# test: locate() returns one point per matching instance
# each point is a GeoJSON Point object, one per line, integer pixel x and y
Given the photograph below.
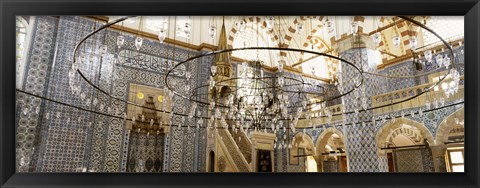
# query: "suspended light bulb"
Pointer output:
{"type": "Point", "coordinates": [187, 28]}
{"type": "Point", "coordinates": [428, 55]}
{"type": "Point", "coordinates": [103, 49]}
{"type": "Point", "coordinates": [330, 27]}
{"type": "Point", "coordinates": [212, 32]}
{"type": "Point", "coordinates": [120, 41]}
{"type": "Point", "coordinates": [281, 81]}
{"type": "Point", "coordinates": [444, 86]}
{"type": "Point", "coordinates": [299, 28]}
{"type": "Point", "coordinates": [270, 21]}
{"type": "Point", "coordinates": [377, 38]}
{"type": "Point", "coordinates": [396, 41]}
{"type": "Point", "coordinates": [446, 61]}
{"type": "Point", "coordinates": [413, 43]}
{"type": "Point", "coordinates": [280, 66]}
{"type": "Point", "coordinates": [439, 60]}
{"type": "Point", "coordinates": [453, 86]}
{"type": "Point", "coordinates": [212, 84]}
{"type": "Point", "coordinates": [138, 42]}
{"type": "Point", "coordinates": [354, 28]}
{"type": "Point", "coordinates": [241, 25]}
{"type": "Point", "coordinates": [213, 70]}
{"type": "Point", "coordinates": [162, 35]}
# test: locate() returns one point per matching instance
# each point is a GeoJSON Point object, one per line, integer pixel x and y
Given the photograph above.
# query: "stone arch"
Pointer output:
{"type": "Point", "coordinates": [386, 130]}
{"type": "Point", "coordinates": [302, 140]}
{"type": "Point", "coordinates": [408, 31]}
{"type": "Point", "coordinates": [255, 19]}
{"type": "Point", "coordinates": [223, 93]}
{"type": "Point", "coordinates": [301, 137]}
{"type": "Point", "coordinates": [414, 137]}
{"type": "Point", "coordinates": [398, 29]}
{"type": "Point", "coordinates": [323, 139]}
{"type": "Point", "coordinates": [322, 142]}
{"type": "Point", "coordinates": [441, 135]}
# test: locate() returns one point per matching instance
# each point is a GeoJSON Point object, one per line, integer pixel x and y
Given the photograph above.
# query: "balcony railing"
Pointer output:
{"type": "Point", "coordinates": [402, 94]}
{"type": "Point", "coordinates": [315, 114]}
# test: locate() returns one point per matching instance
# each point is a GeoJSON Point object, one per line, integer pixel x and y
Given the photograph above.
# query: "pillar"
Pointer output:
{"type": "Point", "coordinates": [361, 145]}
{"type": "Point", "coordinates": [438, 154]}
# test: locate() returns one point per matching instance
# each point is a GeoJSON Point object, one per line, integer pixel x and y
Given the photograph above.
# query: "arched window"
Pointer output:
{"type": "Point", "coordinates": [21, 45]}
{"type": "Point", "coordinates": [255, 36]}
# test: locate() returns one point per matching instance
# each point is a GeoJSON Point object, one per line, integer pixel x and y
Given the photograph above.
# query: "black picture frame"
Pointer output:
{"type": "Point", "coordinates": [9, 9]}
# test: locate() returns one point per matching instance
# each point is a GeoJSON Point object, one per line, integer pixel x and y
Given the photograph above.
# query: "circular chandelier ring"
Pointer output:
{"type": "Point", "coordinates": [265, 48]}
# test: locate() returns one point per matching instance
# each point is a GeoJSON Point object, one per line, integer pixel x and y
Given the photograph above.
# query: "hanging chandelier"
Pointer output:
{"type": "Point", "coordinates": [253, 98]}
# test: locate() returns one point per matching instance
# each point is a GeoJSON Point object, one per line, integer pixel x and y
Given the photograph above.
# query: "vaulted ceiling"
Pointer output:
{"type": "Point", "coordinates": [316, 33]}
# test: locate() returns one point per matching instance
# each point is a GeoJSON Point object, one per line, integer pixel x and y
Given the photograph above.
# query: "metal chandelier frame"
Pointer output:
{"type": "Point", "coordinates": [81, 74]}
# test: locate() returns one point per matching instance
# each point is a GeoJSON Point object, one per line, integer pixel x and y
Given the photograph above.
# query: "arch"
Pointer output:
{"type": "Point", "coordinates": [301, 141]}
{"type": "Point", "coordinates": [406, 135]}
{"type": "Point", "coordinates": [211, 156]}
{"type": "Point", "coordinates": [410, 31]}
{"type": "Point", "coordinates": [323, 139]}
{"type": "Point", "coordinates": [234, 31]}
{"type": "Point", "coordinates": [387, 129]}
{"type": "Point", "coordinates": [304, 138]}
{"type": "Point", "coordinates": [255, 34]}
{"type": "Point", "coordinates": [224, 92]}
{"type": "Point", "coordinates": [441, 135]}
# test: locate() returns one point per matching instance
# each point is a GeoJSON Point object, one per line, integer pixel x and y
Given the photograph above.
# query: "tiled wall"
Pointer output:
{"type": "Point", "coordinates": [413, 160]}
{"type": "Point", "coordinates": [68, 143]}
{"type": "Point", "coordinates": [408, 68]}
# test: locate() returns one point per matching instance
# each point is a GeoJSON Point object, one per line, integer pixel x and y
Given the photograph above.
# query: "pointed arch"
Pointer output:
{"type": "Point", "coordinates": [301, 141]}
{"type": "Point", "coordinates": [323, 139]}
{"type": "Point", "coordinates": [256, 20]}
{"type": "Point", "coordinates": [441, 135]}
{"type": "Point", "coordinates": [388, 128]}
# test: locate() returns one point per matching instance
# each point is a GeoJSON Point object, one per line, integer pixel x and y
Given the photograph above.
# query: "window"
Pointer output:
{"type": "Point", "coordinates": [448, 27]}
{"type": "Point", "coordinates": [456, 159]}
{"type": "Point", "coordinates": [250, 37]}
{"type": "Point", "coordinates": [156, 23]}
{"type": "Point", "coordinates": [21, 37]}
{"type": "Point", "coordinates": [184, 27]}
